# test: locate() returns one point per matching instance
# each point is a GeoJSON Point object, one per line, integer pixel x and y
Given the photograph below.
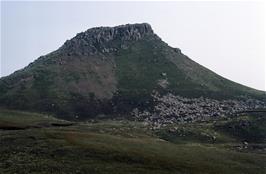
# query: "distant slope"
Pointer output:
{"type": "Point", "coordinates": [107, 70]}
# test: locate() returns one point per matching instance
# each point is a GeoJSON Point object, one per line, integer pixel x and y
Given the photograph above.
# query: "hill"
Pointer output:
{"type": "Point", "coordinates": [111, 71]}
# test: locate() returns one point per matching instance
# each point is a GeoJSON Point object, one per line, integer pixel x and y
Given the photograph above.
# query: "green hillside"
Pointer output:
{"type": "Point", "coordinates": [107, 71]}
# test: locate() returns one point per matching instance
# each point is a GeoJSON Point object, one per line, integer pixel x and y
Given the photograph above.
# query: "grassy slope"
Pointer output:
{"type": "Point", "coordinates": [61, 85]}
{"type": "Point", "coordinates": [141, 66]}
{"type": "Point", "coordinates": [116, 147]}
{"type": "Point", "coordinates": [247, 127]}
{"type": "Point", "coordinates": [11, 119]}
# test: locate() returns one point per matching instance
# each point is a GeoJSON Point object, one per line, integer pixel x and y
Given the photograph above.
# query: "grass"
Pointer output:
{"type": "Point", "coordinates": [11, 119]}
{"type": "Point", "coordinates": [247, 127]}
{"type": "Point", "coordinates": [115, 147]}
{"type": "Point", "coordinates": [141, 66]}
{"type": "Point", "coordinates": [194, 132]}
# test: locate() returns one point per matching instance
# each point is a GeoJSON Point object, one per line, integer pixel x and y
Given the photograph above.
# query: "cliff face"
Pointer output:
{"type": "Point", "coordinates": [111, 71]}
{"type": "Point", "coordinates": [105, 39]}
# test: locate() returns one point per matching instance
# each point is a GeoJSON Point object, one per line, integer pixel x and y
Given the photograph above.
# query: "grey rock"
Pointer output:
{"type": "Point", "coordinates": [104, 39]}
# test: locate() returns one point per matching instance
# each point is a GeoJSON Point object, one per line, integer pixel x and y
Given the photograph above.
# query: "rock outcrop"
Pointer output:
{"type": "Point", "coordinates": [105, 39]}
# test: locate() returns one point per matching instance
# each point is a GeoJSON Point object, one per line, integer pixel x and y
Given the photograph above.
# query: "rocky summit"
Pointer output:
{"type": "Point", "coordinates": [124, 71]}
{"type": "Point", "coordinates": [105, 39]}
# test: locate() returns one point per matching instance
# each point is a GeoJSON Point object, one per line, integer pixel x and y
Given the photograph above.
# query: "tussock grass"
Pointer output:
{"type": "Point", "coordinates": [106, 147]}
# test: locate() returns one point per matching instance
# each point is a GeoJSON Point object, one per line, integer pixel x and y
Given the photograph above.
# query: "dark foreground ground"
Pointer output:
{"type": "Point", "coordinates": [35, 143]}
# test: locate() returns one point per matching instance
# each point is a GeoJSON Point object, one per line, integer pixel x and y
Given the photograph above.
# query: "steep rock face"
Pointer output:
{"type": "Point", "coordinates": [111, 71]}
{"type": "Point", "coordinates": [105, 39]}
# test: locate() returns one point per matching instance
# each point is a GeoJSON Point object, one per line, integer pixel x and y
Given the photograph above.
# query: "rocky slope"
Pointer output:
{"type": "Point", "coordinates": [110, 71]}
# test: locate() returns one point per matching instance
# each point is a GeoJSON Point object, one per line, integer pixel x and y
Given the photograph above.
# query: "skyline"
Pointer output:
{"type": "Point", "coordinates": [225, 37]}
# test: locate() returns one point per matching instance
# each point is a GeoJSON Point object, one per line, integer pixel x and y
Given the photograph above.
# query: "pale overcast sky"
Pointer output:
{"type": "Point", "coordinates": [226, 37]}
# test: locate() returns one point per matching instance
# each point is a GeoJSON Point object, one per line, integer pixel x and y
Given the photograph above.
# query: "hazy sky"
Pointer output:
{"type": "Point", "coordinates": [226, 37]}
